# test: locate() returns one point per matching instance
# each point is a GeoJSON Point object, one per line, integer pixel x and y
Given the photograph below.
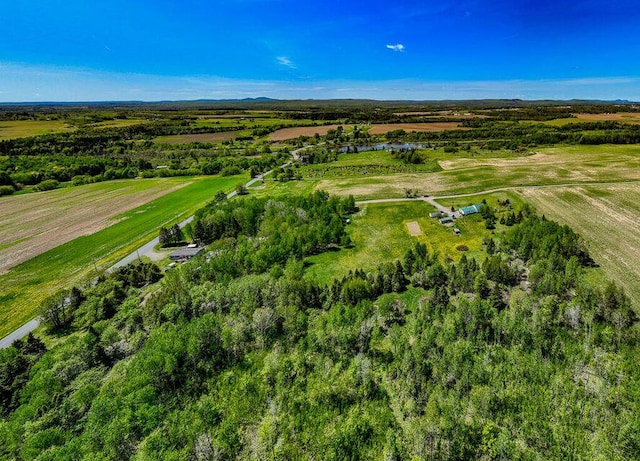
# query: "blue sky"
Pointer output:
{"type": "Point", "coordinates": [72, 50]}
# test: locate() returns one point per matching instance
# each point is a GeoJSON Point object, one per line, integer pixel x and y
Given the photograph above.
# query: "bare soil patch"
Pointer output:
{"type": "Point", "coordinates": [35, 223]}
{"type": "Point", "coordinates": [291, 133]}
{"type": "Point", "coordinates": [414, 228]}
{"type": "Point", "coordinates": [435, 126]}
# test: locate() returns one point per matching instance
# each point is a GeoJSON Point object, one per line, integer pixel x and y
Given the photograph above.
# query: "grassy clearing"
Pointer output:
{"type": "Point", "coordinates": [201, 137]}
{"type": "Point", "coordinates": [366, 163]}
{"type": "Point", "coordinates": [119, 123]}
{"type": "Point", "coordinates": [272, 188]}
{"type": "Point", "coordinates": [383, 128]}
{"type": "Point", "coordinates": [549, 166]}
{"type": "Point", "coordinates": [379, 233]}
{"type": "Point", "coordinates": [608, 218]}
{"type": "Point", "coordinates": [25, 128]}
{"type": "Point", "coordinates": [24, 286]}
{"type": "Point", "coordinates": [624, 117]}
{"type": "Point", "coordinates": [295, 132]}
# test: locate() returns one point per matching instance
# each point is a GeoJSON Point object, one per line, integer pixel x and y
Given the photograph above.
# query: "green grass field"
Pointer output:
{"type": "Point", "coordinates": [549, 166]}
{"type": "Point", "coordinates": [26, 285]}
{"type": "Point", "coordinates": [379, 233]}
{"type": "Point", "coordinates": [24, 128]}
{"type": "Point", "coordinates": [366, 163]}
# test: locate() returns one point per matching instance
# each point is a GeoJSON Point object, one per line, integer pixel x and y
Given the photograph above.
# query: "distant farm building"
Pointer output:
{"type": "Point", "coordinates": [471, 209]}
{"type": "Point", "coordinates": [184, 254]}
{"type": "Point", "coordinates": [446, 220]}
{"type": "Point", "coordinates": [437, 214]}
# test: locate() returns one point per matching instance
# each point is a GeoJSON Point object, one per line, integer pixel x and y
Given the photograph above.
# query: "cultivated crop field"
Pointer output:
{"type": "Point", "coordinates": [25, 285]}
{"type": "Point", "coordinates": [608, 218]}
{"type": "Point", "coordinates": [35, 223]}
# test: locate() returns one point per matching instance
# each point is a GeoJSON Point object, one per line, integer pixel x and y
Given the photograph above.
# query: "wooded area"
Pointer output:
{"type": "Point", "coordinates": [239, 356]}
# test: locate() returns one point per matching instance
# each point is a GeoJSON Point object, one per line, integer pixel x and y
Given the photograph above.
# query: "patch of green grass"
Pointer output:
{"type": "Point", "coordinates": [26, 285]}
{"type": "Point", "coordinates": [25, 128]}
{"type": "Point", "coordinates": [550, 166]}
{"type": "Point", "coordinates": [365, 163]}
{"type": "Point", "coordinates": [277, 188]}
{"type": "Point", "coordinates": [379, 234]}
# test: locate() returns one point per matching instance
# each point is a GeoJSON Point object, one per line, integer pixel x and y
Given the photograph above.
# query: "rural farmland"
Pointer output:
{"type": "Point", "coordinates": [608, 217]}
{"type": "Point", "coordinates": [49, 219]}
{"type": "Point", "coordinates": [319, 231]}
{"type": "Point", "coordinates": [27, 284]}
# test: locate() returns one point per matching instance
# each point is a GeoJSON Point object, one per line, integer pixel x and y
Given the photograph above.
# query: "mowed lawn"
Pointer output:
{"type": "Point", "coordinates": [548, 166]}
{"type": "Point", "coordinates": [608, 218]}
{"type": "Point", "coordinates": [24, 287]}
{"type": "Point", "coordinates": [379, 233]}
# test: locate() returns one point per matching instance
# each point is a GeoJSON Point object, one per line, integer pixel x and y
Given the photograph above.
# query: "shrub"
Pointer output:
{"type": "Point", "coordinates": [6, 190]}
{"type": "Point", "coordinates": [47, 184]}
{"type": "Point", "coordinates": [230, 171]}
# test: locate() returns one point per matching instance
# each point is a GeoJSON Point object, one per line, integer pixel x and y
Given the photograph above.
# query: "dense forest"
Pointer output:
{"type": "Point", "coordinates": [239, 355]}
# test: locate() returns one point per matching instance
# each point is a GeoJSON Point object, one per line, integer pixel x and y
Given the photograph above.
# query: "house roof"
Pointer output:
{"type": "Point", "coordinates": [185, 253]}
{"type": "Point", "coordinates": [471, 209]}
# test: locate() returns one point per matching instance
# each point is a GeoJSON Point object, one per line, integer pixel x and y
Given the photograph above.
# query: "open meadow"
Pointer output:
{"type": "Point", "coordinates": [27, 284]}
{"type": "Point", "coordinates": [366, 163]}
{"type": "Point", "coordinates": [381, 232]}
{"type": "Point", "coordinates": [623, 117]}
{"type": "Point", "coordinates": [200, 137]}
{"type": "Point", "coordinates": [382, 128]}
{"type": "Point", "coordinates": [13, 129]}
{"type": "Point", "coordinates": [285, 134]}
{"type": "Point", "coordinates": [548, 166]}
{"type": "Point", "coordinates": [608, 218]}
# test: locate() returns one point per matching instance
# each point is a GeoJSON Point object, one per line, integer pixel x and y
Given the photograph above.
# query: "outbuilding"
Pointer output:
{"type": "Point", "coordinates": [184, 254]}
{"type": "Point", "coordinates": [446, 220]}
{"type": "Point", "coordinates": [471, 209]}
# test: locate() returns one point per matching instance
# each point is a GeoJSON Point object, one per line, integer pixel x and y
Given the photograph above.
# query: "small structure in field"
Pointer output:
{"type": "Point", "coordinates": [437, 214]}
{"type": "Point", "coordinates": [184, 254]}
{"type": "Point", "coordinates": [457, 231]}
{"type": "Point", "coordinates": [471, 209]}
{"type": "Point", "coordinates": [446, 220]}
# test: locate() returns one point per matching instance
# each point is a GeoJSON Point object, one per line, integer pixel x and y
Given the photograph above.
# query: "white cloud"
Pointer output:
{"type": "Point", "coordinates": [397, 47]}
{"type": "Point", "coordinates": [284, 61]}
